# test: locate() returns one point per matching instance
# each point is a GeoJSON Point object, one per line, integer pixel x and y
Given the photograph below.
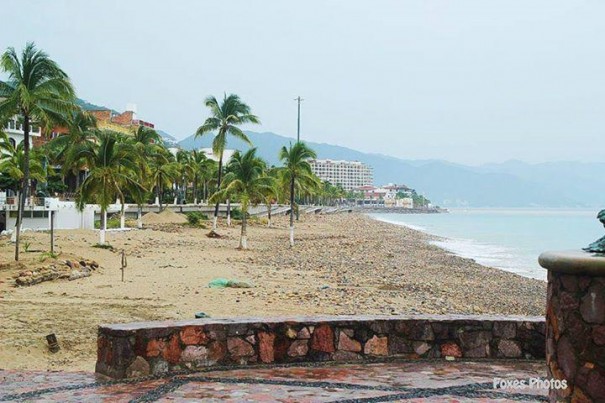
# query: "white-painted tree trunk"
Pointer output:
{"type": "Point", "coordinates": [195, 201]}
{"type": "Point", "coordinates": [103, 228]}
{"type": "Point", "coordinates": [123, 220]}
{"type": "Point", "coordinates": [139, 219]}
{"type": "Point", "coordinates": [157, 201]}
{"type": "Point", "coordinates": [243, 242]}
{"type": "Point", "coordinates": [214, 222]}
{"type": "Point", "coordinates": [228, 213]}
{"type": "Point", "coordinates": [174, 201]}
{"type": "Point", "coordinates": [291, 235]}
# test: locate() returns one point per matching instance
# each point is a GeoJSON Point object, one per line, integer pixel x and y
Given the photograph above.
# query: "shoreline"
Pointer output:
{"type": "Point", "coordinates": [342, 264]}
{"type": "Point", "coordinates": [447, 244]}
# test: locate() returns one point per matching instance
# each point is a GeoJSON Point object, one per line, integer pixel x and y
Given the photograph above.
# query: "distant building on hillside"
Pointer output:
{"type": "Point", "coordinates": [125, 122]}
{"type": "Point", "coordinates": [227, 154]}
{"type": "Point", "coordinates": [348, 174]}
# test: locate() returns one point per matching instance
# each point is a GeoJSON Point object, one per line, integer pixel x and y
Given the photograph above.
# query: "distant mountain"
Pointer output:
{"type": "Point", "coordinates": [169, 140]}
{"type": "Point", "coordinates": [511, 184]}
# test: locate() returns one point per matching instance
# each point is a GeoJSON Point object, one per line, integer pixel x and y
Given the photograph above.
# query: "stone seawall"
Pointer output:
{"type": "Point", "coordinates": [137, 349]}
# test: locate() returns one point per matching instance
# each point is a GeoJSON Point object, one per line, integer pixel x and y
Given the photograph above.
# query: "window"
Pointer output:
{"type": "Point", "coordinates": [12, 142]}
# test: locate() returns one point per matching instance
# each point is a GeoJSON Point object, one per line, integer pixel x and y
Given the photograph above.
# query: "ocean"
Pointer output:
{"type": "Point", "coordinates": [508, 239]}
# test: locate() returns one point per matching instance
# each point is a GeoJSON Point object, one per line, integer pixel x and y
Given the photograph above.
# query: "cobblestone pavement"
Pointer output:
{"type": "Point", "coordinates": [417, 381]}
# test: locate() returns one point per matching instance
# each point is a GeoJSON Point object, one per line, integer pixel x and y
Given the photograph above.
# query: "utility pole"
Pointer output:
{"type": "Point", "coordinates": [299, 99]}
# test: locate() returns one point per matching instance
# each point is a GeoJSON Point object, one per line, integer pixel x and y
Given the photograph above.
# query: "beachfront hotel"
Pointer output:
{"type": "Point", "coordinates": [348, 174]}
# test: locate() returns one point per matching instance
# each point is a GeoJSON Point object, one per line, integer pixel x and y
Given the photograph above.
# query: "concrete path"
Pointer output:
{"type": "Point", "coordinates": [413, 381]}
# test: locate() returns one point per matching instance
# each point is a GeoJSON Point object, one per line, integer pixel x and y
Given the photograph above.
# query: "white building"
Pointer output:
{"type": "Point", "coordinates": [348, 174]}
{"type": "Point", "coordinates": [14, 130]}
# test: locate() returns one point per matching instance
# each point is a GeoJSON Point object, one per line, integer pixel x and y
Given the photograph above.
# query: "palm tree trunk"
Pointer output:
{"type": "Point", "coordinates": [292, 211]}
{"type": "Point", "coordinates": [269, 214]}
{"type": "Point", "coordinates": [159, 190]}
{"type": "Point", "coordinates": [243, 239]}
{"type": "Point", "coordinates": [195, 190]}
{"type": "Point", "coordinates": [228, 212]}
{"type": "Point", "coordinates": [24, 185]}
{"type": "Point", "coordinates": [103, 226]}
{"type": "Point", "coordinates": [218, 186]}
{"type": "Point", "coordinates": [122, 213]}
{"type": "Point", "coordinates": [140, 217]}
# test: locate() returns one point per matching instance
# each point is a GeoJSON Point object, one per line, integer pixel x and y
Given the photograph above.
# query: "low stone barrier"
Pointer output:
{"type": "Point", "coordinates": [137, 349]}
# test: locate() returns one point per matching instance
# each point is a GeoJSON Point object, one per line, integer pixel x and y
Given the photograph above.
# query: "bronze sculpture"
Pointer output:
{"type": "Point", "coordinates": [598, 246]}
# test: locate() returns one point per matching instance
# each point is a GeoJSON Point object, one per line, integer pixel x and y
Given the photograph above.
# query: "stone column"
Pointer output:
{"type": "Point", "coordinates": [575, 324]}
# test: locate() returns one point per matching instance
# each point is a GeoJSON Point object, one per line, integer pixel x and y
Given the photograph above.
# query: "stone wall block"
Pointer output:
{"type": "Point", "coordinates": [193, 335]}
{"type": "Point", "coordinates": [195, 354]}
{"type": "Point", "coordinates": [474, 339]}
{"type": "Point", "coordinates": [265, 347]}
{"type": "Point", "coordinates": [239, 349]}
{"type": "Point", "coordinates": [139, 367]}
{"type": "Point", "coordinates": [592, 306]}
{"type": "Point", "coordinates": [569, 283]}
{"type": "Point", "coordinates": [298, 348]}
{"type": "Point", "coordinates": [346, 343]}
{"type": "Point", "coordinates": [508, 349]}
{"type": "Point", "coordinates": [399, 345]}
{"type": "Point", "coordinates": [322, 339]}
{"type": "Point", "coordinates": [172, 350]}
{"type": "Point", "coordinates": [505, 330]}
{"type": "Point", "coordinates": [377, 345]}
{"type": "Point", "coordinates": [451, 350]}
{"type": "Point", "coordinates": [304, 333]}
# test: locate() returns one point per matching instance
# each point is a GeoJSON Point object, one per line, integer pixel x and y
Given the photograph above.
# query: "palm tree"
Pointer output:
{"type": "Point", "coordinates": [112, 169]}
{"type": "Point", "coordinates": [225, 119]}
{"type": "Point", "coordinates": [41, 93]}
{"type": "Point", "coordinates": [164, 170]}
{"type": "Point", "coordinates": [271, 193]}
{"type": "Point", "coordinates": [246, 181]}
{"type": "Point", "coordinates": [82, 131]}
{"type": "Point", "coordinates": [146, 143]}
{"type": "Point", "coordinates": [296, 170]}
{"type": "Point", "coordinates": [12, 164]}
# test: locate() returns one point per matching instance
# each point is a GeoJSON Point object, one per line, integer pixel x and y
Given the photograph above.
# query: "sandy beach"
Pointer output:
{"type": "Point", "coordinates": [341, 264]}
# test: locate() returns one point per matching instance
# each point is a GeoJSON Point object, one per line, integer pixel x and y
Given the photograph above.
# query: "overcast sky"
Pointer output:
{"type": "Point", "coordinates": [465, 81]}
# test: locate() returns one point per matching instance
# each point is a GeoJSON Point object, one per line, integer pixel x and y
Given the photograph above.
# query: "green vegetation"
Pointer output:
{"type": "Point", "coordinates": [40, 93]}
{"type": "Point", "coordinates": [194, 217]}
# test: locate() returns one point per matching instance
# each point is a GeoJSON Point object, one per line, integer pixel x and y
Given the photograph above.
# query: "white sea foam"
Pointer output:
{"type": "Point", "coordinates": [487, 254]}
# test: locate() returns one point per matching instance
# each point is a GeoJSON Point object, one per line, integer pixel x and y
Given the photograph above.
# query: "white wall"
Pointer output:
{"type": "Point", "coordinates": [67, 216]}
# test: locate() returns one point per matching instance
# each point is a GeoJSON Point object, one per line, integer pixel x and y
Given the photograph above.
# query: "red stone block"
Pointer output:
{"type": "Point", "coordinates": [265, 346]}
{"type": "Point", "coordinates": [298, 348]}
{"type": "Point", "coordinates": [172, 352]}
{"type": "Point", "coordinates": [345, 343]}
{"type": "Point", "coordinates": [239, 348]}
{"type": "Point", "coordinates": [451, 349]}
{"type": "Point", "coordinates": [217, 351]}
{"type": "Point", "coordinates": [155, 347]}
{"type": "Point", "coordinates": [193, 335]}
{"type": "Point", "coordinates": [377, 346]}
{"type": "Point", "coordinates": [323, 339]}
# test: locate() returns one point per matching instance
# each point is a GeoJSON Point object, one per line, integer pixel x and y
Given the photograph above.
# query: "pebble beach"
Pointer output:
{"type": "Point", "coordinates": [341, 264]}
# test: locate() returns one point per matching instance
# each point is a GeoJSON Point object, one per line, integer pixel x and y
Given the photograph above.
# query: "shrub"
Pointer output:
{"type": "Point", "coordinates": [236, 214]}
{"type": "Point", "coordinates": [194, 217]}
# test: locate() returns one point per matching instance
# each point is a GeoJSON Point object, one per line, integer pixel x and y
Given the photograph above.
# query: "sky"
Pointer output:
{"type": "Point", "coordinates": [465, 81]}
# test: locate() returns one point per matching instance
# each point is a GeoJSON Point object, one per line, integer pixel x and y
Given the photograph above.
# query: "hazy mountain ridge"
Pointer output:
{"type": "Point", "coordinates": [508, 184]}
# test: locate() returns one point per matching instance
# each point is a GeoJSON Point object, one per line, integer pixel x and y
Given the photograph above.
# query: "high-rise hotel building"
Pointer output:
{"type": "Point", "coordinates": [348, 174]}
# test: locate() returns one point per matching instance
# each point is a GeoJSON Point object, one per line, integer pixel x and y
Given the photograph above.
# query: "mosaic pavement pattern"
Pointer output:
{"type": "Point", "coordinates": [418, 381]}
